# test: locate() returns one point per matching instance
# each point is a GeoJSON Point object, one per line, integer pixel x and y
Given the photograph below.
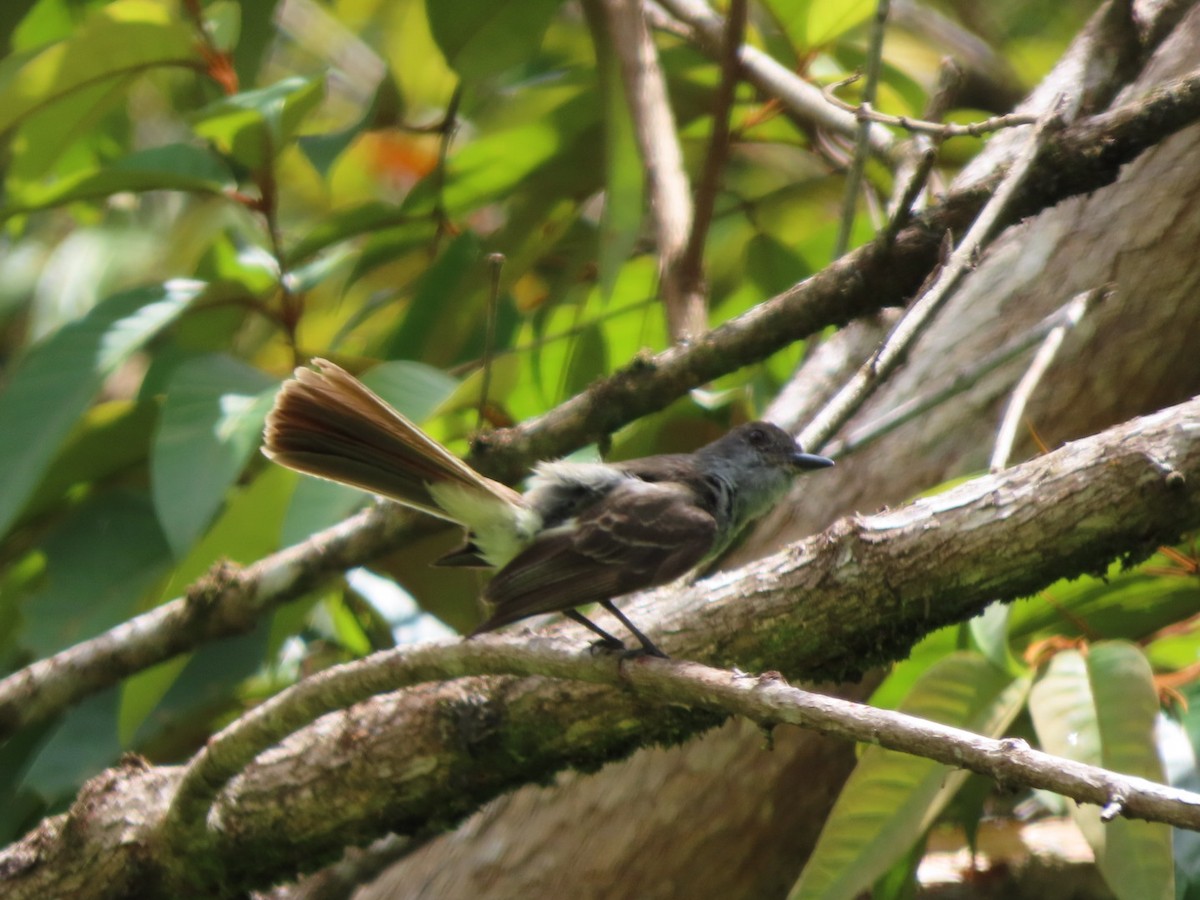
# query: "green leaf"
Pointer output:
{"type": "Point", "coordinates": [1134, 603]}
{"type": "Point", "coordinates": [57, 379]}
{"type": "Point", "coordinates": [558, 131]}
{"type": "Point", "coordinates": [588, 360]}
{"type": "Point", "coordinates": [415, 389]}
{"type": "Point", "coordinates": [366, 218]}
{"type": "Point", "coordinates": [989, 631]}
{"type": "Point", "coordinates": [120, 38]}
{"type": "Point", "coordinates": [255, 126]}
{"type": "Point", "coordinates": [80, 745]}
{"type": "Point", "coordinates": [176, 167]}
{"type": "Point", "coordinates": [891, 797]}
{"type": "Point", "coordinates": [438, 301]}
{"type": "Point", "coordinates": [813, 23]}
{"type": "Point", "coordinates": [480, 38]}
{"type": "Point", "coordinates": [247, 530]}
{"type": "Point", "coordinates": [1101, 709]}
{"type": "Point", "coordinates": [99, 564]}
{"type": "Point", "coordinates": [256, 33]}
{"type": "Point", "coordinates": [110, 438]}
{"type": "Point", "coordinates": [931, 649]}
{"type": "Point", "coordinates": [211, 425]}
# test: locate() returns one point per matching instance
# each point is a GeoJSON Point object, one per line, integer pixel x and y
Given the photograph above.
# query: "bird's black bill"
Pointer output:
{"type": "Point", "coordinates": [811, 461]}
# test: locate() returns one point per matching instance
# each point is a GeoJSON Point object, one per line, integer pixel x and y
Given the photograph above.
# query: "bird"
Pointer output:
{"type": "Point", "coordinates": [580, 533]}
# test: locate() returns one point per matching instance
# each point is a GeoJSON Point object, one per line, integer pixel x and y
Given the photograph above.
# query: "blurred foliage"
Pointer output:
{"type": "Point", "coordinates": [198, 196]}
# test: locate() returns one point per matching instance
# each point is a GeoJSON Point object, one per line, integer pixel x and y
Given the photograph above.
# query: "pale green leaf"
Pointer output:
{"type": "Point", "coordinates": [1101, 709]}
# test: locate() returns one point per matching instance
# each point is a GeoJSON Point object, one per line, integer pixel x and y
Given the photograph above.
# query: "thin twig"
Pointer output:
{"type": "Point", "coordinates": [942, 130]}
{"type": "Point", "coordinates": [862, 140]}
{"type": "Point", "coordinates": [913, 185]}
{"type": "Point", "coordinates": [963, 381]}
{"type": "Point", "coordinates": [796, 95]}
{"type": "Point", "coordinates": [446, 129]}
{"type": "Point", "coordinates": [495, 262]}
{"type": "Point", "coordinates": [691, 272]}
{"type": "Point", "coordinates": [894, 349]}
{"type": "Point", "coordinates": [915, 169]}
{"type": "Point", "coordinates": [1073, 313]}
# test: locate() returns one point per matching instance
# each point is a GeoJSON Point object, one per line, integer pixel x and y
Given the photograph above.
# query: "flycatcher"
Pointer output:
{"type": "Point", "coordinates": [581, 533]}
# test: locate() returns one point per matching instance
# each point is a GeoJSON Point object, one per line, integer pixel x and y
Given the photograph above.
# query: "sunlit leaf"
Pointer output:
{"type": "Point", "coordinates": [117, 39]}
{"type": "Point", "coordinates": [255, 126]}
{"type": "Point", "coordinates": [177, 167]}
{"type": "Point", "coordinates": [814, 23]}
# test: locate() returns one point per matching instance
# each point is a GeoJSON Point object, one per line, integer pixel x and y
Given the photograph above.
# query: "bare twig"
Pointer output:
{"type": "Point", "coordinates": [912, 186]}
{"type": "Point", "coordinates": [658, 143]}
{"type": "Point", "coordinates": [917, 165]}
{"type": "Point", "coordinates": [447, 129]}
{"type": "Point", "coordinates": [938, 129]}
{"type": "Point", "coordinates": [691, 269]}
{"type": "Point", "coordinates": [894, 349]}
{"type": "Point", "coordinates": [862, 140]}
{"type": "Point", "coordinates": [963, 381]}
{"type": "Point", "coordinates": [495, 262]}
{"type": "Point", "coordinates": [1071, 315]}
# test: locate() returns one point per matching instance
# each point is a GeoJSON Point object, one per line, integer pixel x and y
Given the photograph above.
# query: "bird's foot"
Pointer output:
{"type": "Point", "coordinates": [608, 645]}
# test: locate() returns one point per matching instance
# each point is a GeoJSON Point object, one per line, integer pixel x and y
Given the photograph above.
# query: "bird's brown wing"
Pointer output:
{"type": "Point", "coordinates": [638, 536]}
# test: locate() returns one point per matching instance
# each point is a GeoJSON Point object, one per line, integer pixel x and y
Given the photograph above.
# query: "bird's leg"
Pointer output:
{"type": "Point", "coordinates": [648, 646]}
{"type": "Point", "coordinates": [607, 641]}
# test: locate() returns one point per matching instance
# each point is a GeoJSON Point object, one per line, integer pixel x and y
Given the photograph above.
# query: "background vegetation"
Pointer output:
{"type": "Point", "coordinates": [450, 199]}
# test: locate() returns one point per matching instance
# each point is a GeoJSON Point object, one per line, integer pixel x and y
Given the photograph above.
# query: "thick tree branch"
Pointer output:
{"type": "Point", "coordinates": [1081, 158]}
{"type": "Point", "coordinates": [871, 585]}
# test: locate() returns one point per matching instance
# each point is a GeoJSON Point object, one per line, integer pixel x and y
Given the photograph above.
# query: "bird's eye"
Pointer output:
{"type": "Point", "coordinates": [757, 437]}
